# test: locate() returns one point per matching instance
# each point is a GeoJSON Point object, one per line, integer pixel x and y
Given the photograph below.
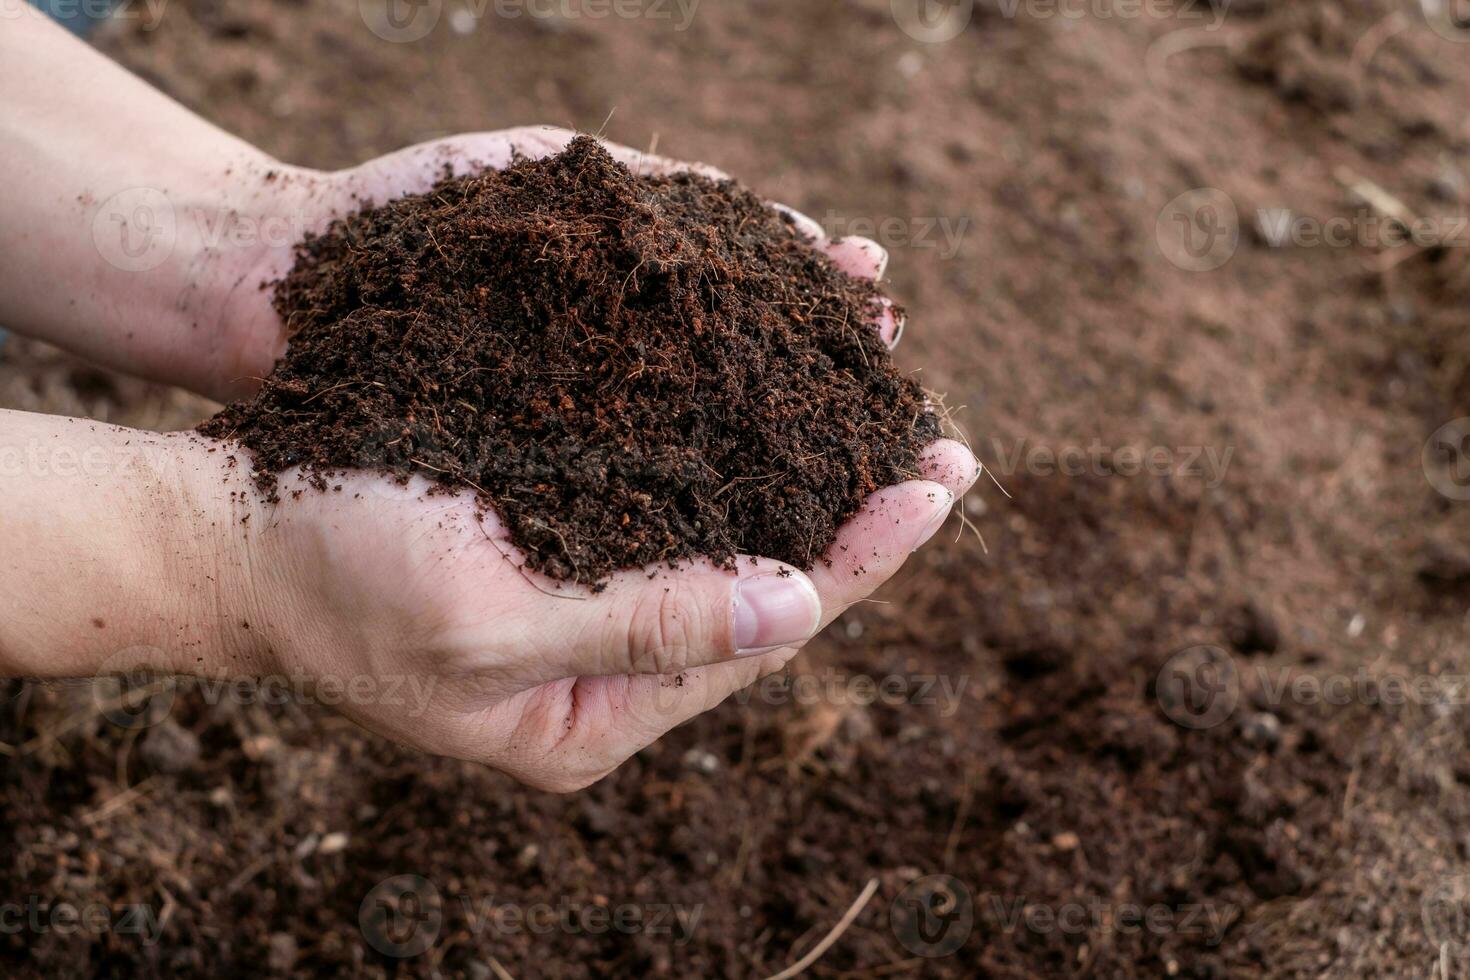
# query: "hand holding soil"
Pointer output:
{"type": "Point", "coordinates": [552, 656]}
{"type": "Point", "coordinates": [556, 687]}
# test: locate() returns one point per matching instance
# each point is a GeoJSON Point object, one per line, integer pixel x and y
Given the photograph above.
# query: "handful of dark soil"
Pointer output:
{"type": "Point", "coordinates": [629, 369]}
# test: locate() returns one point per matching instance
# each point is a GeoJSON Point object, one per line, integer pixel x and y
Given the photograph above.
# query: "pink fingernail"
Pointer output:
{"type": "Point", "coordinates": [806, 224]}
{"type": "Point", "coordinates": [775, 610]}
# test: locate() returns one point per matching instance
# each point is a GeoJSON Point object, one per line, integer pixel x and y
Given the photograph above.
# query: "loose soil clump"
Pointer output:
{"type": "Point", "coordinates": [630, 369]}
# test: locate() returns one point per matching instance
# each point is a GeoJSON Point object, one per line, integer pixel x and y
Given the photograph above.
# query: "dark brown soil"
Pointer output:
{"type": "Point", "coordinates": [630, 369]}
{"type": "Point", "coordinates": [1291, 839]}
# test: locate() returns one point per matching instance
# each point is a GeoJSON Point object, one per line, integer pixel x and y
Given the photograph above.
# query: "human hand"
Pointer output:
{"type": "Point", "coordinates": [549, 683]}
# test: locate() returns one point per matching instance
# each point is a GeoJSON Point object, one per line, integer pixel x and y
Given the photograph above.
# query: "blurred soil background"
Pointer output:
{"type": "Point", "coordinates": [1026, 168]}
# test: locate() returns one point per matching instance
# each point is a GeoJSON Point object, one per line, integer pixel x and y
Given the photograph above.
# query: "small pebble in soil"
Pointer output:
{"type": "Point", "coordinates": [1261, 730]}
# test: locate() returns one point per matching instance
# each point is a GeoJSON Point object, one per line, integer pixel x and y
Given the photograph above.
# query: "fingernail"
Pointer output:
{"type": "Point", "coordinates": [772, 610]}
{"type": "Point", "coordinates": [935, 522]}
{"type": "Point", "coordinates": [880, 257]}
{"type": "Point", "coordinates": [903, 321]}
{"type": "Point", "coordinates": [806, 224]}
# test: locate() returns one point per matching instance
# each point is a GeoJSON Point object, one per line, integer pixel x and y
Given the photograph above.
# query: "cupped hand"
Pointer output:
{"type": "Point", "coordinates": [550, 683]}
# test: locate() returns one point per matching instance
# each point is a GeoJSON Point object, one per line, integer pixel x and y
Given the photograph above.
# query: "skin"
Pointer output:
{"type": "Point", "coordinates": [123, 549]}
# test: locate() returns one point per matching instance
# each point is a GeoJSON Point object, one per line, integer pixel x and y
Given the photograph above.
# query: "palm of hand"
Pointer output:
{"type": "Point", "coordinates": [548, 683]}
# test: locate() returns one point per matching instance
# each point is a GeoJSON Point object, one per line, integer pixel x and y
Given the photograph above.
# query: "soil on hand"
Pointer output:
{"type": "Point", "coordinates": [631, 369]}
{"type": "Point", "coordinates": [1036, 751]}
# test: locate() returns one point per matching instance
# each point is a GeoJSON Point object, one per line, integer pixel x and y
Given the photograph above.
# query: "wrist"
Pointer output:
{"type": "Point", "coordinates": [236, 237]}
{"type": "Point", "coordinates": [115, 555]}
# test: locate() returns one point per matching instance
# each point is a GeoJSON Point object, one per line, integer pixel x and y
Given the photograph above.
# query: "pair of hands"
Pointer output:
{"type": "Point", "coordinates": [412, 609]}
{"type": "Point", "coordinates": [555, 686]}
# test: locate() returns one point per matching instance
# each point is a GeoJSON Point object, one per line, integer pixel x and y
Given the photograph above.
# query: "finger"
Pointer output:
{"type": "Point", "coordinates": [892, 524]}
{"type": "Point", "coordinates": [950, 463]}
{"type": "Point", "coordinates": [573, 732]}
{"type": "Point", "coordinates": [890, 323]}
{"type": "Point", "coordinates": [665, 621]}
{"type": "Point", "coordinates": [861, 258]}
{"type": "Point", "coordinates": [809, 228]}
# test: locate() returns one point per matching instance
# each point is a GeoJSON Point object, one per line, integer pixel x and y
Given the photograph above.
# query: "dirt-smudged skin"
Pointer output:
{"type": "Point", "coordinates": [630, 369]}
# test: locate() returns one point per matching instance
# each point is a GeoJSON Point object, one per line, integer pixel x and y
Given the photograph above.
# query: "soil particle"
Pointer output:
{"type": "Point", "coordinates": [629, 369]}
{"type": "Point", "coordinates": [1251, 628]}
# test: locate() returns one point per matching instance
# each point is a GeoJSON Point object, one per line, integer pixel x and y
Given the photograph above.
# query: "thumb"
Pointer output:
{"type": "Point", "coordinates": [668, 621]}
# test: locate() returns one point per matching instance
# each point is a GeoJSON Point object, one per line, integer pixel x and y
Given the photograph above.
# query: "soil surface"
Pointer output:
{"type": "Point", "coordinates": [1110, 710]}
{"type": "Point", "coordinates": [629, 369]}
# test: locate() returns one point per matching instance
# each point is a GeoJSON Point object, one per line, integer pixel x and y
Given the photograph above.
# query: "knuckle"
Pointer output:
{"type": "Point", "coordinates": [667, 630]}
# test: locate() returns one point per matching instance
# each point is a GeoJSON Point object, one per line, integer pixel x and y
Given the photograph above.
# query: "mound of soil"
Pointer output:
{"type": "Point", "coordinates": [629, 369]}
{"type": "Point", "coordinates": [1035, 756]}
